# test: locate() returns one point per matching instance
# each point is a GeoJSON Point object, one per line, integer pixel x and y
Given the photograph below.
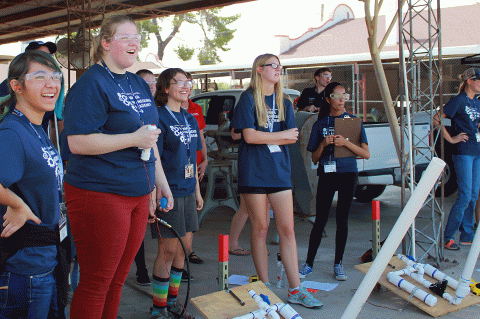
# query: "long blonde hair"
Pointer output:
{"type": "Point", "coordinates": [108, 29]}
{"type": "Point", "coordinates": [256, 85]}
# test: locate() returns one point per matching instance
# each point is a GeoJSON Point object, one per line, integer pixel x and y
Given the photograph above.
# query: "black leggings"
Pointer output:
{"type": "Point", "coordinates": [328, 184]}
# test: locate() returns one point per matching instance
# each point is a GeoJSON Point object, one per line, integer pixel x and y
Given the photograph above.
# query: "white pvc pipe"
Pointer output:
{"type": "Point", "coordinates": [287, 311]}
{"type": "Point", "coordinates": [396, 235]}
{"type": "Point", "coordinates": [410, 147]}
{"type": "Point", "coordinates": [270, 310]}
{"type": "Point", "coordinates": [437, 274]}
{"type": "Point", "coordinates": [408, 287]}
{"type": "Point", "coordinates": [464, 282]}
{"type": "Point", "coordinates": [420, 268]}
{"type": "Point", "coordinates": [257, 314]}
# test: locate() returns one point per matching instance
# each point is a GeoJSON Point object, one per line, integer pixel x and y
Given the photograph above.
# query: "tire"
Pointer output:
{"type": "Point", "coordinates": [450, 180]}
{"type": "Point", "coordinates": [366, 193]}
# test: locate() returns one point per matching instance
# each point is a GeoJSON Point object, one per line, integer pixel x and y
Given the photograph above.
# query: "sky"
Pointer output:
{"type": "Point", "coordinates": [260, 21]}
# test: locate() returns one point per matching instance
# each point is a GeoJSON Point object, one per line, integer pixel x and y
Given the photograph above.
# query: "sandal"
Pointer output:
{"type": "Point", "coordinates": [194, 259]}
{"type": "Point", "coordinates": [239, 252]}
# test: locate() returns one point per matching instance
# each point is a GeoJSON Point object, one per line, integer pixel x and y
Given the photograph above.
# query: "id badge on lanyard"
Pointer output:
{"type": "Point", "coordinates": [189, 172]}
{"type": "Point", "coordinates": [330, 167]}
{"type": "Point", "coordinates": [273, 148]}
{"type": "Point", "coordinates": [189, 169]}
{"type": "Point", "coordinates": [62, 225]}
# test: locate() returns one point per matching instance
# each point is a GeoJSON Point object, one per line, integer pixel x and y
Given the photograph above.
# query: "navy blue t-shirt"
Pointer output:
{"type": "Point", "coordinates": [326, 126]}
{"type": "Point", "coordinates": [32, 169]}
{"type": "Point", "coordinates": [257, 166]}
{"type": "Point", "coordinates": [4, 91]}
{"type": "Point", "coordinates": [97, 103]}
{"type": "Point", "coordinates": [465, 115]}
{"type": "Point", "coordinates": [173, 144]}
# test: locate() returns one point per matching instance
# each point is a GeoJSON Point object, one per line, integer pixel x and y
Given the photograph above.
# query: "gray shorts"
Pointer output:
{"type": "Point", "coordinates": [183, 218]}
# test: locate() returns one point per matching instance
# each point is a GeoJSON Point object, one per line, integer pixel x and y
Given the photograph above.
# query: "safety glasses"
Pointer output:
{"type": "Point", "coordinates": [339, 96]}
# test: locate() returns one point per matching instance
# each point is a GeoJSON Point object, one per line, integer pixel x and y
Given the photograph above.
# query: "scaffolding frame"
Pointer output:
{"type": "Point", "coordinates": [420, 90]}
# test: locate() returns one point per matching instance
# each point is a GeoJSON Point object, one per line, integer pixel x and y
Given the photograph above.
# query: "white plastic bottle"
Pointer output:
{"type": "Point", "coordinates": [146, 152]}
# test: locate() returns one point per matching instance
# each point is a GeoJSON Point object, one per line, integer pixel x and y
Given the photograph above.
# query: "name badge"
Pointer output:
{"type": "Point", "coordinates": [189, 171]}
{"type": "Point", "coordinates": [274, 148]}
{"type": "Point", "coordinates": [62, 225]}
{"type": "Point", "coordinates": [330, 167]}
{"type": "Point", "coordinates": [477, 135]}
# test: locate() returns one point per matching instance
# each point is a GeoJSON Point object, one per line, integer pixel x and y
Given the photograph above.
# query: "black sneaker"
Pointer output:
{"type": "Point", "coordinates": [185, 276]}
{"type": "Point", "coordinates": [143, 279]}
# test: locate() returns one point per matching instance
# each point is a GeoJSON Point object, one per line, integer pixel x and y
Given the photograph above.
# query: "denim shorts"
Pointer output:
{"type": "Point", "coordinates": [28, 296]}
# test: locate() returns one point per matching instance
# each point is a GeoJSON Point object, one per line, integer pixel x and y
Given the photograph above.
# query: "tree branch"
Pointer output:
{"type": "Point", "coordinates": [392, 24]}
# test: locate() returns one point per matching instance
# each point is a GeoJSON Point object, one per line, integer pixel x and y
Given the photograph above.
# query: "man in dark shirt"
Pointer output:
{"type": "Point", "coordinates": [312, 98]}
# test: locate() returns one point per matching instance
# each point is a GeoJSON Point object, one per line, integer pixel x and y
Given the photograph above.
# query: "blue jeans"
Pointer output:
{"type": "Point", "coordinates": [24, 296]}
{"type": "Point", "coordinates": [467, 168]}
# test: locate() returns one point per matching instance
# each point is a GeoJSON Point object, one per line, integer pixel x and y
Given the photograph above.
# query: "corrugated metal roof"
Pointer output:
{"type": "Point", "coordinates": [24, 20]}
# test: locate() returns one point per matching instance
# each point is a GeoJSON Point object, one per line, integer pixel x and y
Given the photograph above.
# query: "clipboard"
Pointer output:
{"type": "Point", "coordinates": [350, 128]}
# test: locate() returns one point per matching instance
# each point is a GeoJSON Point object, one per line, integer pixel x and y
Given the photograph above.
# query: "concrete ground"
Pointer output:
{"type": "Point", "coordinates": [136, 300]}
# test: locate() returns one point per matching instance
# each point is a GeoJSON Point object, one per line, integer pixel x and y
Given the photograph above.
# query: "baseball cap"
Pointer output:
{"type": "Point", "coordinates": [471, 73]}
{"type": "Point", "coordinates": [34, 45]}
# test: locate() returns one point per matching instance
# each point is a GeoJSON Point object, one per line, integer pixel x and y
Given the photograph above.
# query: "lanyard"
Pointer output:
{"type": "Point", "coordinates": [137, 107]}
{"type": "Point", "coordinates": [46, 145]}
{"type": "Point", "coordinates": [272, 119]}
{"type": "Point", "coordinates": [181, 131]}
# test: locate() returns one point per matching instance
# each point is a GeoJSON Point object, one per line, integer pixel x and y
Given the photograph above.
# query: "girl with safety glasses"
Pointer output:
{"type": "Point", "coordinates": [266, 119]}
{"type": "Point", "coordinates": [334, 174]}
{"type": "Point", "coordinates": [110, 186]}
{"type": "Point", "coordinates": [31, 275]}
{"type": "Point", "coordinates": [178, 145]}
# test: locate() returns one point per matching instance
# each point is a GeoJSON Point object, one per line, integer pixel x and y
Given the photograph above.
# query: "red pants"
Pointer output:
{"type": "Point", "coordinates": [108, 230]}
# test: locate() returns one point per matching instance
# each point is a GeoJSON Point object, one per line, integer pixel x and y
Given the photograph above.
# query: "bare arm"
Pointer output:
{"type": "Point", "coordinates": [161, 183]}
{"type": "Point", "coordinates": [462, 137]}
{"type": "Point", "coordinates": [361, 150]}
{"type": "Point", "coordinates": [17, 212]}
{"type": "Point", "coordinates": [253, 136]}
{"type": "Point", "coordinates": [318, 152]}
{"type": "Point", "coordinates": [235, 136]}
{"type": "Point", "coordinates": [203, 165]}
{"type": "Point", "coordinates": [198, 195]}
{"type": "Point", "coordinates": [99, 143]}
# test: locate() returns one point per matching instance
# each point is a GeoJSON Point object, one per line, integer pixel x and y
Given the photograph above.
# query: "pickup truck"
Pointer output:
{"type": "Point", "coordinates": [375, 174]}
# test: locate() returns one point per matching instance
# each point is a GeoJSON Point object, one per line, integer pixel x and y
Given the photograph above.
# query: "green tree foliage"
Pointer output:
{"type": "Point", "coordinates": [184, 52]}
{"type": "Point", "coordinates": [215, 30]}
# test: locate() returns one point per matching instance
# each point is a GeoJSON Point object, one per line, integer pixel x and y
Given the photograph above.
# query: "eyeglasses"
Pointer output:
{"type": "Point", "coordinates": [43, 77]}
{"type": "Point", "coordinates": [184, 84]}
{"type": "Point", "coordinates": [339, 96]}
{"type": "Point", "coordinates": [151, 82]}
{"type": "Point", "coordinates": [326, 75]}
{"type": "Point", "coordinates": [127, 38]}
{"type": "Point", "coordinates": [274, 65]}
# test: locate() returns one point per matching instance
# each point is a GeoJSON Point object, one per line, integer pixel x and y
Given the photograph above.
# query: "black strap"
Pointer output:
{"type": "Point", "coordinates": [38, 236]}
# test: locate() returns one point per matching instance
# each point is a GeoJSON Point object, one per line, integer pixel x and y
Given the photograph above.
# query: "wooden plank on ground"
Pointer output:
{"type": "Point", "coordinates": [441, 308]}
{"type": "Point", "coordinates": [222, 305]}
